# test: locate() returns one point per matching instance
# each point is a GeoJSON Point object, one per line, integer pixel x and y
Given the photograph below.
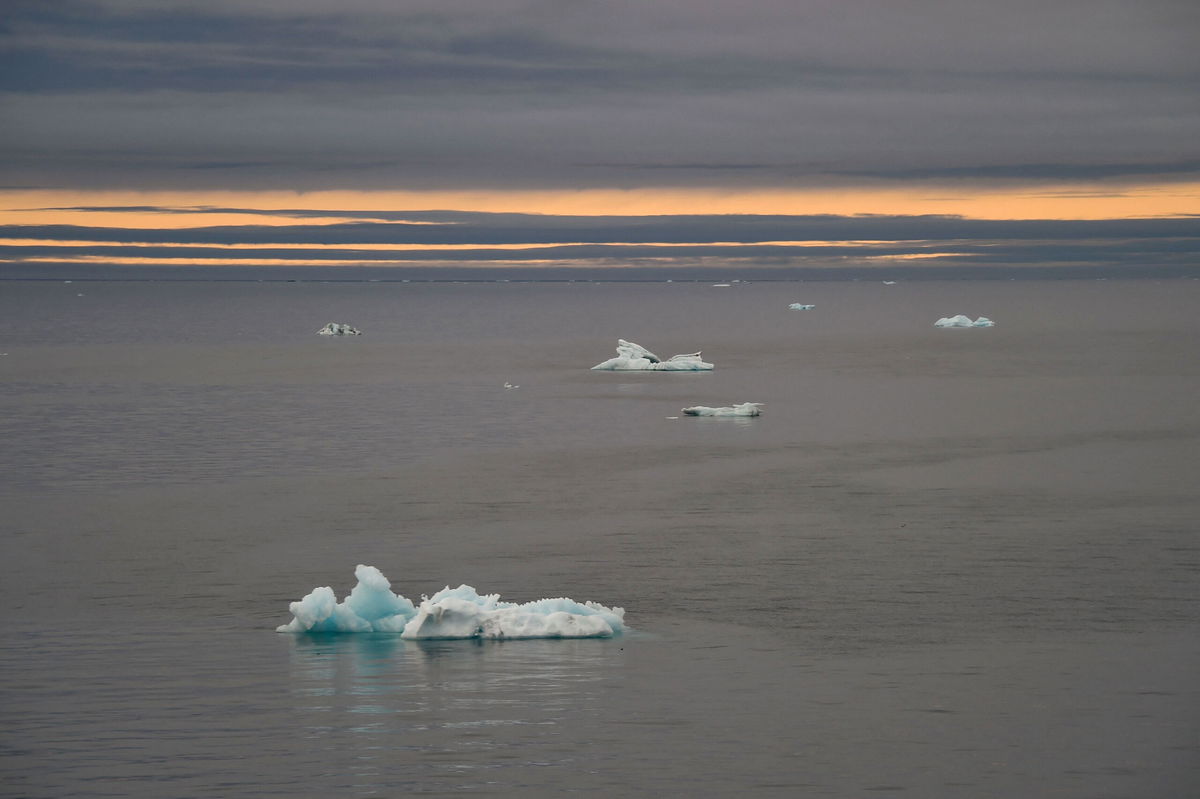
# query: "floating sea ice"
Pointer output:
{"type": "Point", "coordinates": [799, 306]}
{"type": "Point", "coordinates": [370, 607]}
{"type": "Point", "coordinates": [744, 409]}
{"type": "Point", "coordinates": [510, 385]}
{"type": "Point", "coordinates": [636, 358]}
{"type": "Point", "coordinates": [338, 329]}
{"type": "Point", "coordinates": [450, 613]}
{"type": "Point", "coordinates": [963, 321]}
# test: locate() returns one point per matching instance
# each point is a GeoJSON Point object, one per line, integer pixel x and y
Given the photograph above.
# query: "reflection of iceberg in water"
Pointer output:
{"type": "Point", "coordinates": [636, 358]}
{"type": "Point", "coordinates": [742, 409]}
{"type": "Point", "coordinates": [407, 707]}
{"type": "Point", "coordinates": [963, 321]}
{"type": "Point", "coordinates": [450, 613]}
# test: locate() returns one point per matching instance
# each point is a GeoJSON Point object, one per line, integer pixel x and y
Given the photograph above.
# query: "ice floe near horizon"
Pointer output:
{"type": "Point", "coordinates": [799, 306]}
{"type": "Point", "coordinates": [963, 321]}
{"type": "Point", "coordinates": [636, 358]}
{"type": "Point", "coordinates": [450, 613]}
{"type": "Point", "coordinates": [338, 329]}
{"type": "Point", "coordinates": [742, 409]}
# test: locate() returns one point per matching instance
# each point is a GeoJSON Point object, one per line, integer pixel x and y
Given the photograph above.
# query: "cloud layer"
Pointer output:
{"type": "Point", "coordinates": [478, 239]}
{"type": "Point", "coordinates": [500, 94]}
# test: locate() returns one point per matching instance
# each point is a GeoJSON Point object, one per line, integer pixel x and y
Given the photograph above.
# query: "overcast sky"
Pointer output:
{"type": "Point", "coordinates": [574, 95]}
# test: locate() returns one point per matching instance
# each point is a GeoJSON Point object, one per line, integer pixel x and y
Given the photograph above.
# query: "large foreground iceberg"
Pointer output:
{"type": "Point", "coordinates": [450, 613]}
{"type": "Point", "coordinates": [338, 329]}
{"type": "Point", "coordinates": [963, 321]}
{"type": "Point", "coordinates": [743, 409]}
{"type": "Point", "coordinates": [636, 358]}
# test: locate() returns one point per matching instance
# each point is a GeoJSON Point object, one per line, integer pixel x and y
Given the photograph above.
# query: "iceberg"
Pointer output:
{"type": "Point", "coordinates": [799, 306]}
{"type": "Point", "coordinates": [338, 329]}
{"type": "Point", "coordinates": [636, 358]}
{"type": "Point", "coordinates": [450, 613]}
{"type": "Point", "coordinates": [963, 321]}
{"type": "Point", "coordinates": [744, 409]}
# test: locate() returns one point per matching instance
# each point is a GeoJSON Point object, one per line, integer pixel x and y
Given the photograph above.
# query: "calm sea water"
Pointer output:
{"type": "Point", "coordinates": [941, 563]}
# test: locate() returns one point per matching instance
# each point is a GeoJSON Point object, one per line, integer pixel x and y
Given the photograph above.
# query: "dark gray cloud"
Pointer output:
{"type": "Point", "coordinates": [478, 228]}
{"type": "Point", "coordinates": [378, 94]}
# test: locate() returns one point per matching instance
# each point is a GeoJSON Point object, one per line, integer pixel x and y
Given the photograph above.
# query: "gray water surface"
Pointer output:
{"type": "Point", "coordinates": [941, 563]}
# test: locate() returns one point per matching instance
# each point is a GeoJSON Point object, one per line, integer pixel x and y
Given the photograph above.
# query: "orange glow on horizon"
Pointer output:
{"type": "Point", "coordinates": [217, 247]}
{"type": "Point", "coordinates": [1044, 202]}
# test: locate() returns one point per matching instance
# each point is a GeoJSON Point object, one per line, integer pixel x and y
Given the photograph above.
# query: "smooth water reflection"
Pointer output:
{"type": "Point", "coordinates": [416, 714]}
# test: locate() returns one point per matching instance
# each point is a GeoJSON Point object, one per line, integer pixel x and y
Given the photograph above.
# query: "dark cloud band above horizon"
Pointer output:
{"type": "Point", "coordinates": [485, 239]}
{"type": "Point", "coordinates": [532, 94]}
{"type": "Point", "coordinates": [477, 228]}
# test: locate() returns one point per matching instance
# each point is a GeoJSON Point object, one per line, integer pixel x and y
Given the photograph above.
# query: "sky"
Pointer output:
{"type": "Point", "coordinates": [616, 133]}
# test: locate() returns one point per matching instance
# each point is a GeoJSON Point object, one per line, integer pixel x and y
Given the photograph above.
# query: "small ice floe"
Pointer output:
{"type": "Point", "coordinates": [338, 329]}
{"type": "Point", "coordinates": [744, 409]}
{"type": "Point", "coordinates": [799, 306]}
{"type": "Point", "coordinates": [450, 613]}
{"type": "Point", "coordinates": [636, 358]}
{"type": "Point", "coordinates": [963, 321]}
{"type": "Point", "coordinates": [722, 285]}
{"type": "Point", "coordinates": [889, 282]}
{"type": "Point", "coordinates": [510, 385]}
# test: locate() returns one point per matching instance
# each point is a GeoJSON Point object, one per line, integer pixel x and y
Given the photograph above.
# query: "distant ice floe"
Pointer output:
{"type": "Point", "coordinates": [636, 358]}
{"type": "Point", "coordinates": [963, 321]}
{"type": "Point", "coordinates": [338, 329]}
{"type": "Point", "coordinates": [744, 409]}
{"type": "Point", "coordinates": [799, 306]}
{"type": "Point", "coordinates": [450, 613]}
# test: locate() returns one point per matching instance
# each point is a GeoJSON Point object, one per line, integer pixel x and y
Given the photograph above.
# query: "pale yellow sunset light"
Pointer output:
{"type": "Point", "coordinates": [1044, 202]}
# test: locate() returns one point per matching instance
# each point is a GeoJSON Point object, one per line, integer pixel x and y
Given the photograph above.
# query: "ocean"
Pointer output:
{"type": "Point", "coordinates": [942, 562]}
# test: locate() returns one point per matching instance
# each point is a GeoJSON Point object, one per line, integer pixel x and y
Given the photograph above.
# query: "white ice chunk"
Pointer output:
{"type": "Point", "coordinates": [963, 321]}
{"type": "Point", "coordinates": [462, 613]}
{"type": "Point", "coordinates": [338, 329]}
{"type": "Point", "coordinates": [636, 358]}
{"type": "Point", "coordinates": [450, 613]}
{"type": "Point", "coordinates": [743, 409]}
{"type": "Point", "coordinates": [799, 306]}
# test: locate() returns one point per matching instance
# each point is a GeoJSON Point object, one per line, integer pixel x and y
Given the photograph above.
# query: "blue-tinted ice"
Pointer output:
{"type": "Point", "coordinates": [450, 613]}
